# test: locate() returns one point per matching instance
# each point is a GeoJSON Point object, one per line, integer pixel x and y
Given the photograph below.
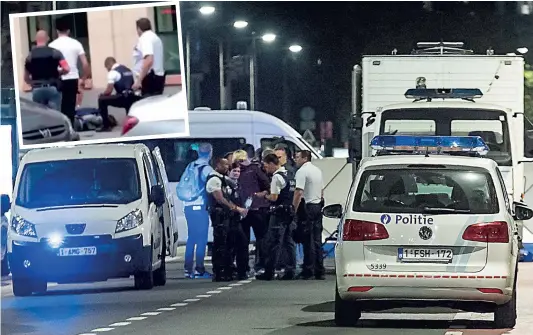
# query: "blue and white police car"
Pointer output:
{"type": "Point", "coordinates": [426, 226]}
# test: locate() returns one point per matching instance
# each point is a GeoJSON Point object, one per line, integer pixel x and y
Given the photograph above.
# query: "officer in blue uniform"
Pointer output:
{"type": "Point", "coordinates": [222, 211]}
{"type": "Point", "coordinates": [279, 236]}
{"type": "Point", "coordinates": [119, 79]}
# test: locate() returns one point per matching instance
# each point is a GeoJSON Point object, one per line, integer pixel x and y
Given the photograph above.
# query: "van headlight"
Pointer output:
{"type": "Point", "coordinates": [23, 227]}
{"type": "Point", "coordinates": [130, 221]}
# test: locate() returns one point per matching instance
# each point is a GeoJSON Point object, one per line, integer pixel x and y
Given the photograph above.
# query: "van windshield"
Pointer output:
{"type": "Point", "coordinates": [426, 191]}
{"type": "Point", "coordinates": [490, 125]}
{"type": "Point", "coordinates": [79, 182]}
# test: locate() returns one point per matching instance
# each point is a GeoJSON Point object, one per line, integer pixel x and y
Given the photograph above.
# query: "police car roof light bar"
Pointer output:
{"type": "Point", "coordinates": [452, 145]}
{"type": "Point", "coordinates": [443, 93]}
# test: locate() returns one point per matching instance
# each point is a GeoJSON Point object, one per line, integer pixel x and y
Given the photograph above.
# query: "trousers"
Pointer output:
{"type": "Point", "coordinates": [278, 240]}
{"type": "Point", "coordinates": [312, 240]}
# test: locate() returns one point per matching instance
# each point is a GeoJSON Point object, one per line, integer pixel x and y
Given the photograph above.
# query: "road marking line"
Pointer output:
{"type": "Point", "coordinates": [150, 313]}
{"type": "Point", "coordinates": [214, 292]}
{"type": "Point", "coordinates": [235, 284]}
{"type": "Point", "coordinates": [101, 330]}
{"type": "Point", "coordinates": [203, 296]}
{"type": "Point", "coordinates": [225, 288]}
{"type": "Point", "coordinates": [191, 300]}
{"type": "Point", "coordinates": [87, 334]}
{"type": "Point", "coordinates": [453, 333]}
{"type": "Point", "coordinates": [179, 304]}
{"type": "Point", "coordinates": [137, 318]}
{"type": "Point", "coordinates": [120, 324]}
{"type": "Point", "coordinates": [166, 309]}
{"type": "Point", "coordinates": [245, 281]}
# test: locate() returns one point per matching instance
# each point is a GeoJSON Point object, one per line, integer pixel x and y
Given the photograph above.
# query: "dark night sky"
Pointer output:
{"type": "Point", "coordinates": [339, 33]}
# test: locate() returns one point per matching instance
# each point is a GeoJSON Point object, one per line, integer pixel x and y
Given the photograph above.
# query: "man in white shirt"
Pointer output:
{"type": "Point", "coordinates": [279, 235]}
{"type": "Point", "coordinates": [309, 193]}
{"type": "Point", "coordinates": [72, 50]}
{"type": "Point", "coordinates": [119, 79]}
{"type": "Point", "coordinates": [148, 57]}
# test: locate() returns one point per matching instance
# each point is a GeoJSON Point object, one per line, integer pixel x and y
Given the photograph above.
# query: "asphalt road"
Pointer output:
{"type": "Point", "coordinates": [248, 307]}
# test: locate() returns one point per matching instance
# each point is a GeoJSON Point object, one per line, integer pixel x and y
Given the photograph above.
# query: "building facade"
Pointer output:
{"type": "Point", "coordinates": [102, 33]}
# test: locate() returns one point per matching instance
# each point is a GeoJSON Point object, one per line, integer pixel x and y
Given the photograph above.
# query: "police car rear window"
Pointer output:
{"type": "Point", "coordinates": [431, 191]}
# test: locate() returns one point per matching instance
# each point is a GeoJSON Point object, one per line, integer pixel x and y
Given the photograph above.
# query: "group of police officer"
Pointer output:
{"type": "Point", "coordinates": [295, 213]}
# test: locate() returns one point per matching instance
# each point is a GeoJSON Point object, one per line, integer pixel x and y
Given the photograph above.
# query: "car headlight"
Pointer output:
{"type": "Point", "coordinates": [130, 221]}
{"type": "Point", "coordinates": [23, 227]}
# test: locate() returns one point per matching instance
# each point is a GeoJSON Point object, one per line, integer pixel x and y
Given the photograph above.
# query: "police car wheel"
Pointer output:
{"type": "Point", "coordinates": [160, 275]}
{"type": "Point", "coordinates": [505, 315]}
{"type": "Point", "coordinates": [347, 313]}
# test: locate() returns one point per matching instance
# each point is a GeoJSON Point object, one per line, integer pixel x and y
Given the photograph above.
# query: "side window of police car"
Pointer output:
{"type": "Point", "coordinates": [504, 190]}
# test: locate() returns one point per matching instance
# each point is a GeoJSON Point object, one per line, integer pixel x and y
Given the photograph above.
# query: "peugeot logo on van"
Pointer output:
{"type": "Point", "coordinates": [425, 233]}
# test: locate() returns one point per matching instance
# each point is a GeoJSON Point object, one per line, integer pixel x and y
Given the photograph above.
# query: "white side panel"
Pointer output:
{"type": "Point", "coordinates": [386, 83]}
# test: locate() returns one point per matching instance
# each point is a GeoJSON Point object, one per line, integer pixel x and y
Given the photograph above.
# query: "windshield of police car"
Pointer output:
{"type": "Point", "coordinates": [79, 182]}
{"type": "Point", "coordinates": [490, 125]}
{"type": "Point", "coordinates": [426, 190]}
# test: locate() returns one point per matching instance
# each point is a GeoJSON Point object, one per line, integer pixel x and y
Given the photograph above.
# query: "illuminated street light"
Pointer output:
{"type": "Point", "coordinates": [269, 38]}
{"type": "Point", "coordinates": [295, 48]}
{"type": "Point", "coordinates": [240, 24]}
{"type": "Point", "coordinates": [207, 10]}
{"type": "Point", "coordinates": [522, 50]}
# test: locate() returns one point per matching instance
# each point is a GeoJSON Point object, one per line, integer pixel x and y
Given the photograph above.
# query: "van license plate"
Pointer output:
{"type": "Point", "coordinates": [83, 251]}
{"type": "Point", "coordinates": [424, 255]}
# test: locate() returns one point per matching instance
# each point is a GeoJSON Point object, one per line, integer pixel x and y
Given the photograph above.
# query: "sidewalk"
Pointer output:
{"type": "Point", "coordinates": [90, 99]}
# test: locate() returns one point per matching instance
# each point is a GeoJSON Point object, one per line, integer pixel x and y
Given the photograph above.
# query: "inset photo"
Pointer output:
{"type": "Point", "coordinates": [97, 75]}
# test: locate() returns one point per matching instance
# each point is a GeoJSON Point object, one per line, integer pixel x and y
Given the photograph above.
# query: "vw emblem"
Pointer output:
{"type": "Point", "coordinates": [45, 133]}
{"type": "Point", "coordinates": [425, 233]}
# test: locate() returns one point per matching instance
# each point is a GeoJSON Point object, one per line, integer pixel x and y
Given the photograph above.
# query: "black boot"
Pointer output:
{"type": "Point", "coordinates": [267, 275]}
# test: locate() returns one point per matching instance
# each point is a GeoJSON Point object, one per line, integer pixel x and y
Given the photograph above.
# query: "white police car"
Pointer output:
{"type": "Point", "coordinates": [426, 229]}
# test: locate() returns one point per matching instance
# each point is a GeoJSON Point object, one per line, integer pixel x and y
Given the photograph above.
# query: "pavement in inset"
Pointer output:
{"type": "Point", "coordinates": [252, 307]}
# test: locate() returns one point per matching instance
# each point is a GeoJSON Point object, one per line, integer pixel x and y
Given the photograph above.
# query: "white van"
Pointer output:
{"type": "Point", "coordinates": [226, 131]}
{"type": "Point", "coordinates": [89, 213]}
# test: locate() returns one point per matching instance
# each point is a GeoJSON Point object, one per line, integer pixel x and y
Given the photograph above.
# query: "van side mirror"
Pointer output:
{"type": "Point", "coordinates": [528, 143]}
{"type": "Point", "coordinates": [157, 195]}
{"type": "Point", "coordinates": [522, 212]}
{"type": "Point", "coordinates": [5, 204]}
{"type": "Point", "coordinates": [332, 211]}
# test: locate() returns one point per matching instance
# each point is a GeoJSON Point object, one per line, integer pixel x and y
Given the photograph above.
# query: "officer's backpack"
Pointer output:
{"type": "Point", "coordinates": [191, 186]}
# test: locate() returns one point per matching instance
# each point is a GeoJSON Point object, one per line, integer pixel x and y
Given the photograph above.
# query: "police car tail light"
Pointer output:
{"type": "Point", "coordinates": [471, 145]}
{"type": "Point", "coordinates": [490, 232]}
{"type": "Point", "coordinates": [131, 122]}
{"type": "Point", "coordinates": [357, 230]}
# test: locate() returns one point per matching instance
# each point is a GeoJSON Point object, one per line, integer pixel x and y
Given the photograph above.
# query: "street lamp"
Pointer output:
{"type": "Point", "coordinates": [240, 24]}
{"type": "Point", "coordinates": [269, 37]}
{"type": "Point", "coordinates": [295, 48]}
{"type": "Point", "coordinates": [522, 50]}
{"type": "Point", "coordinates": [207, 10]}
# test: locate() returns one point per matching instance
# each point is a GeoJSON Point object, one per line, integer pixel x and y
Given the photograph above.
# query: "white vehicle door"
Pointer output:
{"type": "Point", "coordinates": [169, 211]}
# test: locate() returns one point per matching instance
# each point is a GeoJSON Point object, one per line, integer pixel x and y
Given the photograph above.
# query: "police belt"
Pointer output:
{"type": "Point", "coordinates": [282, 210]}
{"type": "Point", "coordinates": [225, 212]}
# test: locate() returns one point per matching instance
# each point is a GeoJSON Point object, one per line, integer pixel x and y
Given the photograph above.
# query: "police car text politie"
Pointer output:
{"type": "Point", "coordinates": [406, 219]}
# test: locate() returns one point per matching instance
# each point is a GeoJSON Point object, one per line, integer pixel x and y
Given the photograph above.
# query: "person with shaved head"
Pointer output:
{"type": "Point", "coordinates": [42, 71]}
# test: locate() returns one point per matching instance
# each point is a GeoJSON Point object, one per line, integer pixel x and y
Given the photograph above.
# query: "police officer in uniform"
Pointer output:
{"type": "Point", "coordinates": [279, 236]}
{"type": "Point", "coordinates": [221, 211]}
{"type": "Point", "coordinates": [120, 79]}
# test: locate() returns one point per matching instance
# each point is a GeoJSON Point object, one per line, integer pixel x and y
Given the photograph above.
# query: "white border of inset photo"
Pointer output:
{"type": "Point", "coordinates": [171, 98]}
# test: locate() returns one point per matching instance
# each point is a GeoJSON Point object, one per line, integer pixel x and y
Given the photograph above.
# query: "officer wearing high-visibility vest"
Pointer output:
{"type": "Point", "coordinates": [221, 211]}
{"type": "Point", "coordinates": [280, 227]}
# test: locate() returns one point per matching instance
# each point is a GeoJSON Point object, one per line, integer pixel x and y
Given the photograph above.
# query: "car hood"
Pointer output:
{"type": "Point", "coordinates": [165, 106]}
{"type": "Point", "coordinates": [35, 116]}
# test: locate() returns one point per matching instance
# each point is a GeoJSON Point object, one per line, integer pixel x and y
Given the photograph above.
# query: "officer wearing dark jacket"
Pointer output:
{"type": "Point", "coordinates": [281, 216]}
{"type": "Point", "coordinates": [119, 79]}
{"type": "Point", "coordinates": [221, 211]}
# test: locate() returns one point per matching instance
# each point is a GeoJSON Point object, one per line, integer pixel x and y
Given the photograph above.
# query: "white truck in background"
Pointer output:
{"type": "Point", "coordinates": [442, 73]}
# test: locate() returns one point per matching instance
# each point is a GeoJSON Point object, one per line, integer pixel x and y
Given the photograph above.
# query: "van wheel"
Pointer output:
{"type": "Point", "coordinates": [505, 315]}
{"type": "Point", "coordinates": [160, 275]}
{"type": "Point", "coordinates": [23, 287]}
{"type": "Point", "coordinates": [347, 313]}
{"type": "Point", "coordinates": [144, 280]}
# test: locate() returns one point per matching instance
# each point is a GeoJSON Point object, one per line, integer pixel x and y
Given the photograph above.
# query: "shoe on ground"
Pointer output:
{"type": "Point", "coordinates": [202, 275]}
{"type": "Point", "coordinates": [265, 276]}
{"type": "Point", "coordinates": [287, 276]}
